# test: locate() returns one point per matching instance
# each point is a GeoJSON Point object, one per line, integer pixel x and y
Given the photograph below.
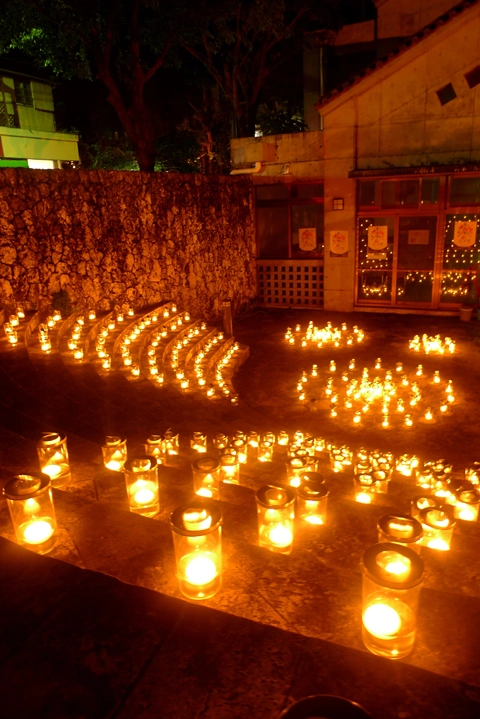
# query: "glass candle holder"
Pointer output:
{"type": "Point", "coordinates": [467, 504]}
{"type": "Point", "coordinates": [265, 451]}
{"type": "Point", "coordinates": [171, 445]}
{"type": "Point", "coordinates": [275, 513]}
{"type": "Point", "coordinates": [364, 488]}
{"type": "Point", "coordinates": [206, 477]}
{"type": "Point", "coordinates": [406, 465]}
{"type": "Point", "coordinates": [229, 467]}
{"type": "Point", "coordinates": [425, 479]}
{"type": "Point", "coordinates": [392, 576]}
{"type": "Point", "coordinates": [472, 473]}
{"type": "Point", "coordinates": [438, 524]}
{"type": "Point", "coordinates": [296, 466]}
{"type": "Point", "coordinates": [220, 441]}
{"type": "Point", "coordinates": [197, 541]}
{"type": "Point", "coordinates": [422, 501]}
{"type": "Point", "coordinates": [381, 478]}
{"type": "Point", "coordinates": [325, 706]}
{"type": "Point", "coordinates": [198, 442]}
{"type": "Point", "coordinates": [282, 438]}
{"type": "Point", "coordinates": [154, 447]}
{"type": "Point", "coordinates": [253, 441]}
{"type": "Point", "coordinates": [312, 497]}
{"type": "Point", "coordinates": [29, 500]}
{"type": "Point", "coordinates": [53, 457]}
{"type": "Point", "coordinates": [141, 478]}
{"type": "Point", "coordinates": [240, 447]}
{"type": "Point", "coordinates": [269, 437]}
{"type": "Point", "coordinates": [400, 529]}
{"type": "Point", "coordinates": [114, 452]}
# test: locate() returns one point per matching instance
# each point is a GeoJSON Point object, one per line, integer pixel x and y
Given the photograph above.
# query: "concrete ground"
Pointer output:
{"type": "Point", "coordinates": [104, 632]}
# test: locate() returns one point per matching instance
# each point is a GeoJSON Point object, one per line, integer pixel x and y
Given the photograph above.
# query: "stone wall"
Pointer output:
{"type": "Point", "coordinates": [116, 237]}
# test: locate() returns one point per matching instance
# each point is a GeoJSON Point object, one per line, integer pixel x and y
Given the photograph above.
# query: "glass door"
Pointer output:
{"type": "Point", "coordinates": [415, 254]}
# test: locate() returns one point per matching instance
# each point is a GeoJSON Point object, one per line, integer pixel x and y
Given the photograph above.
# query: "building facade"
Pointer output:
{"type": "Point", "coordinates": [397, 181]}
{"type": "Point", "coordinates": [28, 136]}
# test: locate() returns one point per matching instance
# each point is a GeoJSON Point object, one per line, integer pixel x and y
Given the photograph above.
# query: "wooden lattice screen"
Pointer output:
{"type": "Point", "coordinates": [291, 283]}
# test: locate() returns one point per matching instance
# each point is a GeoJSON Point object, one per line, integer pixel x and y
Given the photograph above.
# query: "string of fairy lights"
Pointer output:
{"type": "Point", "coordinates": [459, 270]}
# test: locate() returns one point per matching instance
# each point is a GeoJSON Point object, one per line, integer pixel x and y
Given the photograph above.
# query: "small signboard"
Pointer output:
{"type": "Point", "coordinates": [307, 238]}
{"type": "Point", "coordinates": [378, 237]}
{"type": "Point", "coordinates": [418, 237]}
{"type": "Point", "coordinates": [465, 233]}
{"type": "Point", "coordinates": [339, 243]}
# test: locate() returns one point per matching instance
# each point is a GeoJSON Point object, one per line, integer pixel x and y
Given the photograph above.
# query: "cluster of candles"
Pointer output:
{"type": "Point", "coordinates": [320, 336]}
{"type": "Point", "coordinates": [130, 335]}
{"type": "Point", "coordinates": [75, 336]}
{"type": "Point", "coordinates": [432, 345]}
{"type": "Point", "coordinates": [107, 325]}
{"type": "Point", "coordinates": [392, 569]}
{"type": "Point", "coordinates": [11, 326]}
{"type": "Point", "coordinates": [359, 395]}
{"type": "Point", "coordinates": [44, 328]}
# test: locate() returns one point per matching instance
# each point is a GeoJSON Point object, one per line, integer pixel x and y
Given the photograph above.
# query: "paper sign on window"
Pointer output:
{"type": "Point", "coordinates": [307, 238]}
{"type": "Point", "coordinates": [418, 237]}
{"type": "Point", "coordinates": [465, 233]}
{"type": "Point", "coordinates": [339, 242]}
{"type": "Point", "coordinates": [378, 237]}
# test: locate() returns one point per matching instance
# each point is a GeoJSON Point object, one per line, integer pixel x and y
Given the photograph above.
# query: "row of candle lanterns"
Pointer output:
{"type": "Point", "coordinates": [320, 336]}
{"type": "Point", "coordinates": [432, 344]}
{"type": "Point", "coordinates": [11, 326]}
{"type": "Point", "coordinates": [367, 391]}
{"type": "Point", "coordinates": [392, 570]}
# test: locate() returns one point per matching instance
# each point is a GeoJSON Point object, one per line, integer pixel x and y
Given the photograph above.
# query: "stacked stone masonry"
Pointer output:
{"type": "Point", "coordinates": [115, 237]}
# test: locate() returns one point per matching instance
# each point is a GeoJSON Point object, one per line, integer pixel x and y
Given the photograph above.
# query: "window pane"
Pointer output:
{"type": "Point", "coordinates": [400, 193]}
{"type": "Point", "coordinates": [414, 287]}
{"type": "Point", "coordinates": [375, 258]}
{"type": "Point", "coordinates": [308, 218]}
{"type": "Point", "coordinates": [307, 190]}
{"type": "Point", "coordinates": [368, 193]}
{"type": "Point", "coordinates": [416, 243]}
{"type": "Point", "coordinates": [272, 192]}
{"type": "Point", "coordinates": [460, 258]}
{"type": "Point", "coordinates": [465, 190]}
{"type": "Point", "coordinates": [430, 192]}
{"type": "Point", "coordinates": [272, 231]}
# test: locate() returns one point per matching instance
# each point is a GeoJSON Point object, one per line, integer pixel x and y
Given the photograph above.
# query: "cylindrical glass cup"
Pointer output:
{"type": "Point", "coordinates": [392, 576]}
{"type": "Point", "coordinates": [421, 501]}
{"type": "Point", "coordinates": [253, 441]}
{"type": "Point", "coordinates": [154, 447]}
{"type": "Point", "coordinates": [438, 524]}
{"type": "Point", "coordinates": [114, 452]}
{"type": "Point", "coordinates": [197, 541]}
{"type": "Point", "coordinates": [29, 500]}
{"type": "Point", "coordinates": [364, 488]}
{"type": "Point", "coordinates": [282, 438]}
{"type": "Point", "coordinates": [467, 504]}
{"type": "Point", "coordinates": [240, 447]}
{"type": "Point", "coordinates": [198, 442]}
{"type": "Point", "coordinates": [220, 441]}
{"type": "Point", "coordinates": [206, 477]}
{"type": "Point", "coordinates": [229, 466]}
{"type": "Point", "coordinates": [296, 466]}
{"type": "Point", "coordinates": [53, 457]}
{"type": "Point", "coordinates": [472, 473]}
{"type": "Point", "coordinates": [312, 497]}
{"type": "Point", "coordinates": [265, 451]}
{"type": "Point", "coordinates": [141, 478]}
{"type": "Point", "coordinates": [400, 529]}
{"type": "Point", "coordinates": [275, 513]}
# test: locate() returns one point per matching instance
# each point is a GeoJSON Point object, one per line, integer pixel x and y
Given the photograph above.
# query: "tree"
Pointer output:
{"type": "Point", "coordinates": [242, 42]}
{"type": "Point", "coordinates": [123, 43]}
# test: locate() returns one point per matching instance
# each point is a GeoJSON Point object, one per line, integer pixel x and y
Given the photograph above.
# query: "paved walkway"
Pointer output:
{"type": "Point", "coordinates": [78, 643]}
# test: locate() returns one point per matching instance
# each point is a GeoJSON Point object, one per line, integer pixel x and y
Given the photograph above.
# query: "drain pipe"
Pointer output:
{"type": "Point", "coordinates": [248, 170]}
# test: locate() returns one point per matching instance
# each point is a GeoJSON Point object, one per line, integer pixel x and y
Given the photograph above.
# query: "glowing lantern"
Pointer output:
{"type": "Point", "coordinates": [275, 512]}
{"type": "Point", "coordinates": [400, 529]}
{"type": "Point", "coordinates": [438, 524]}
{"type": "Point", "coordinates": [197, 542]}
{"type": "Point", "coordinates": [114, 452]}
{"type": "Point", "coordinates": [296, 467]}
{"type": "Point", "coordinates": [141, 479]}
{"type": "Point", "coordinates": [198, 442]}
{"type": "Point", "coordinates": [312, 497]}
{"type": "Point", "coordinates": [364, 488]}
{"type": "Point", "coordinates": [53, 457]}
{"type": "Point", "coordinates": [229, 466]}
{"type": "Point", "coordinates": [206, 477]}
{"type": "Point", "coordinates": [467, 504]}
{"type": "Point", "coordinates": [392, 576]}
{"type": "Point", "coordinates": [154, 447]}
{"type": "Point", "coordinates": [30, 503]}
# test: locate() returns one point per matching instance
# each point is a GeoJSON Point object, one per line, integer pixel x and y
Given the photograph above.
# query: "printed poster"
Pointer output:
{"type": "Point", "coordinates": [339, 243]}
{"type": "Point", "coordinates": [378, 237]}
{"type": "Point", "coordinates": [418, 237]}
{"type": "Point", "coordinates": [307, 238]}
{"type": "Point", "coordinates": [465, 233]}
